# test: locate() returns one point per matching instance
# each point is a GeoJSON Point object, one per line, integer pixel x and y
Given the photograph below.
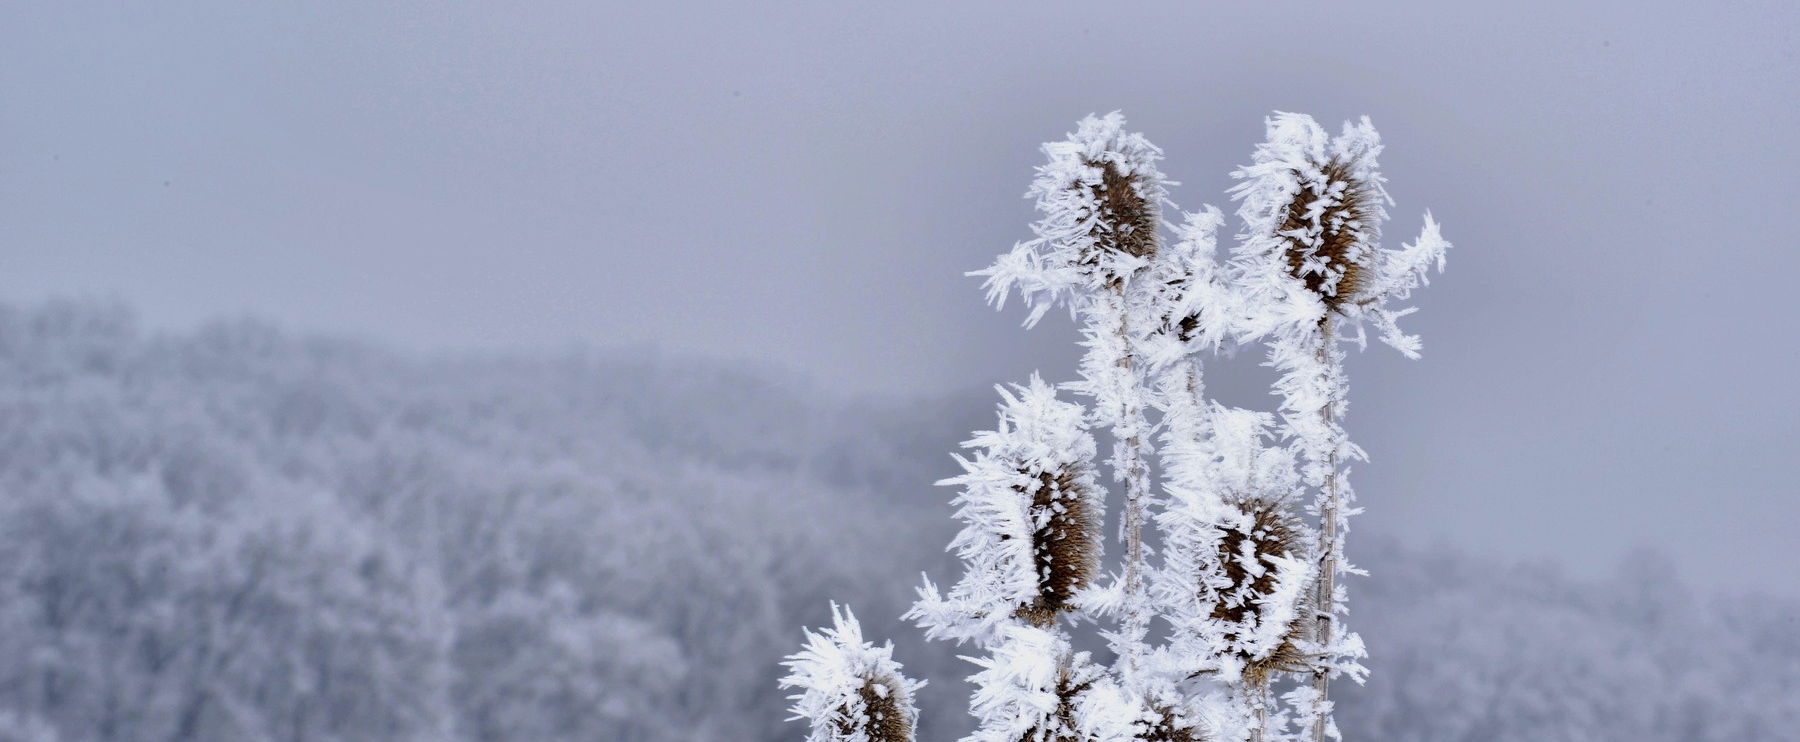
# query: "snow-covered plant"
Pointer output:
{"type": "Point", "coordinates": [1233, 583]}
{"type": "Point", "coordinates": [1246, 587]}
{"type": "Point", "coordinates": [1100, 197]}
{"type": "Point", "coordinates": [1234, 577]}
{"type": "Point", "coordinates": [1312, 207]}
{"type": "Point", "coordinates": [1100, 200]}
{"type": "Point", "coordinates": [1310, 264]}
{"type": "Point", "coordinates": [851, 690]}
{"type": "Point", "coordinates": [1032, 686]}
{"type": "Point", "coordinates": [1031, 512]}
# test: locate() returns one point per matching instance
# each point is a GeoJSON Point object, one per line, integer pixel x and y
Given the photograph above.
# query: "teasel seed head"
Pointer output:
{"type": "Point", "coordinates": [1065, 540]}
{"type": "Point", "coordinates": [1313, 205]}
{"type": "Point", "coordinates": [1270, 532]}
{"type": "Point", "coordinates": [879, 717]}
{"type": "Point", "coordinates": [1126, 219]}
{"type": "Point", "coordinates": [1063, 724]}
{"type": "Point", "coordinates": [850, 690]}
{"type": "Point", "coordinates": [1330, 227]}
{"type": "Point", "coordinates": [1099, 196]}
{"type": "Point", "coordinates": [1264, 536]}
{"type": "Point", "coordinates": [1032, 508]}
{"type": "Point", "coordinates": [1167, 726]}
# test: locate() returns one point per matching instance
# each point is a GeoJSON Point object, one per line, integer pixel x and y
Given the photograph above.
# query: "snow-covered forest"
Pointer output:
{"type": "Point", "coordinates": [236, 533]}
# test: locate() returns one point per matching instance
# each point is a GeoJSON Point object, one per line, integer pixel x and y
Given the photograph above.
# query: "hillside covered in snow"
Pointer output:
{"type": "Point", "coordinates": [237, 533]}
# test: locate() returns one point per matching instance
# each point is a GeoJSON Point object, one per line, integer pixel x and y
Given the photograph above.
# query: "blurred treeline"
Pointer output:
{"type": "Point", "coordinates": [239, 534]}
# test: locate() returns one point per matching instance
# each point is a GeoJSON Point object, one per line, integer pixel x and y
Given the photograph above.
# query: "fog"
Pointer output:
{"type": "Point", "coordinates": [790, 196]}
{"type": "Point", "coordinates": [239, 533]}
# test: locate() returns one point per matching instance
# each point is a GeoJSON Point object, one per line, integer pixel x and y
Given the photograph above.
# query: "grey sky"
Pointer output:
{"type": "Point", "coordinates": [1609, 361]}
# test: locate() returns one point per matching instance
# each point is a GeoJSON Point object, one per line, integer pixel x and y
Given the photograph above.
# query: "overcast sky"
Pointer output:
{"type": "Point", "coordinates": [1610, 360]}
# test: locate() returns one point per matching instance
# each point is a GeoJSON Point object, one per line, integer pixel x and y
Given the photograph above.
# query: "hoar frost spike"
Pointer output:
{"type": "Point", "coordinates": [1032, 688]}
{"type": "Point", "coordinates": [851, 690]}
{"type": "Point", "coordinates": [1311, 267]}
{"type": "Point", "coordinates": [1100, 197]}
{"type": "Point", "coordinates": [1247, 584]}
{"type": "Point", "coordinates": [1031, 512]}
{"type": "Point", "coordinates": [1234, 576]}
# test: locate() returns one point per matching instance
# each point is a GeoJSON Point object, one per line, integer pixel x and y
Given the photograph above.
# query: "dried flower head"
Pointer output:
{"type": "Point", "coordinates": [1099, 197]}
{"type": "Point", "coordinates": [1124, 217]}
{"type": "Point", "coordinates": [1330, 227]}
{"type": "Point", "coordinates": [1065, 540]}
{"type": "Point", "coordinates": [881, 718]}
{"type": "Point", "coordinates": [1033, 688]}
{"type": "Point", "coordinates": [1031, 509]}
{"type": "Point", "coordinates": [1262, 532]}
{"type": "Point", "coordinates": [1257, 612]}
{"type": "Point", "coordinates": [1236, 572]}
{"type": "Point", "coordinates": [851, 690]}
{"type": "Point", "coordinates": [1313, 206]}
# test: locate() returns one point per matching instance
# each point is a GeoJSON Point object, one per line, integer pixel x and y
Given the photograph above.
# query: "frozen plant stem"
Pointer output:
{"type": "Point", "coordinates": [1260, 699]}
{"type": "Point", "coordinates": [1137, 614]}
{"type": "Point", "coordinates": [1328, 541]}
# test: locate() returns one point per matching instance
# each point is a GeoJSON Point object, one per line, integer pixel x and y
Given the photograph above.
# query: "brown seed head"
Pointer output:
{"type": "Point", "coordinates": [1286, 658]}
{"type": "Point", "coordinates": [1165, 729]}
{"type": "Point", "coordinates": [1341, 237]}
{"type": "Point", "coordinates": [1062, 727]}
{"type": "Point", "coordinates": [1064, 546]}
{"type": "Point", "coordinates": [1127, 220]}
{"type": "Point", "coordinates": [883, 719]}
{"type": "Point", "coordinates": [1271, 531]}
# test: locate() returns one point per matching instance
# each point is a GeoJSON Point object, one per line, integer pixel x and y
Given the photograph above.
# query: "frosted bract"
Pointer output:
{"type": "Point", "coordinates": [1099, 199]}
{"type": "Point", "coordinates": [1234, 577]}
{"type": "Point", "coordinates": [1402, 271]}
{"type": "Point", "coordinates": [1313, 206]}
{"type": "Point", "coordinates": [850, 690]}
{"type": "Point", "coordinates": [1031, 511]}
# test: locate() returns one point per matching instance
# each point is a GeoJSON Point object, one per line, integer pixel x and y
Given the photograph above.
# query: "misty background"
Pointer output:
{"type": "Point", "coordinates": [640, 259]}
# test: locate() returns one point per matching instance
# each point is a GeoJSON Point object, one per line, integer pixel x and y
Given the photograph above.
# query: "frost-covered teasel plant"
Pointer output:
{"type": "Point", "coordinates": [1311, 269]}
{"type": "Point", "coordinates": [1031, 511]}
{"type": "Point", "coordinates": [1234, 630]}
{"type": "Point", "coordinates": [850, 689]}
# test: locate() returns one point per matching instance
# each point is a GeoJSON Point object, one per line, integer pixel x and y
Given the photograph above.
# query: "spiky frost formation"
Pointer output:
{"type": "Point", "coordinates": [1188, 295]}
{"type": "Point", "coordinates": [1165, 724]}
{"type": "Point", "coordinates": [1311, 272]}
{"type": "Point", "coordinates": [1156, 713]}
{"type": "Point", "coordinates": [1031, 512]}
{"type": "Point", "coordinates": [1259, 604]}
{"type": "Point", "coordinates": [851, 690]}
{"type": "Point", "coordinates": [1233, 582]}
{"type": "Point", "coordinates": [1313, 207]}
{"type": "Point", "coordinates": [1099, 197]}
{"type": "Point", "coordinates": [1033, 688]}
